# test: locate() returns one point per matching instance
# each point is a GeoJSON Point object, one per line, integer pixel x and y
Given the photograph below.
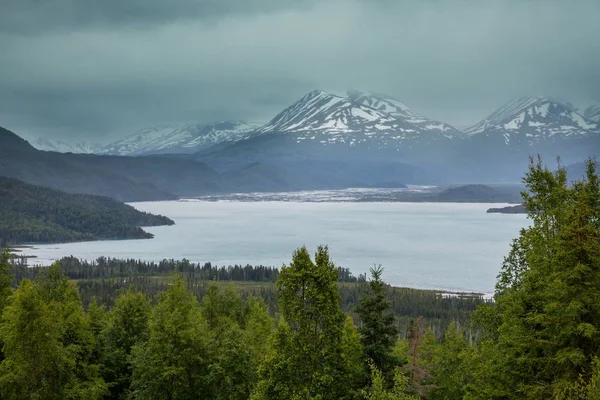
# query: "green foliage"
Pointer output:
{"type": "Point", "coordinates": [173, 362]}
{"type": "Point", "coordinates": [34, 214]}
{"type": "Point", "coordinates": [309, 342]}
{"type": "Point", "coordinates": [451, 368]}
{"type": "Point", "coordinates": [378, 330]}
{"type": "Point", "coordinates": [6, 277]}
{"type": "Point", "coordinates": [126, 326]}
{"type": "Point", "coordinates": [48, 344]}
{"type": "Point", "coordinates": [378, 390]}
{"type": "Point", "coordinates": [547, 310]}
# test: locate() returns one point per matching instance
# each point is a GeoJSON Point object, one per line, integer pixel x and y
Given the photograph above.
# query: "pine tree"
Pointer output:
{"type": "Point", "coordinates": [378, 330]}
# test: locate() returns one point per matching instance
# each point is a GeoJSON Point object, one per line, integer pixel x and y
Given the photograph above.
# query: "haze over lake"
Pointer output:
{"type": "Point", "coordinates": [446, 246]}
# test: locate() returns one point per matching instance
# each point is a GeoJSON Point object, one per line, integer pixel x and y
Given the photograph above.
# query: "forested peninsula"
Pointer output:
{"type": "Point", "coordinates": [35, 214]}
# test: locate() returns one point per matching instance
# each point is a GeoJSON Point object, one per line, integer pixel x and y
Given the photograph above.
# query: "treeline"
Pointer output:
{"type": "Point", "coordinates": [35, 214]}
{"type": "Point", "coordinates": [105, 278]}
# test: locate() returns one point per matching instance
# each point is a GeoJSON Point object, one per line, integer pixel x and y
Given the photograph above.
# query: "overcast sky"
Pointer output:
{"type": "Point", "coordinates": [99, 70]}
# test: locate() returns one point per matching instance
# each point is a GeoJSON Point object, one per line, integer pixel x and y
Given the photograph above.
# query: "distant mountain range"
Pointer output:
{"type": "Point", "coordinates": [186, 139]}
{"type": "Point", "coordinates": [322, 141]}
{"type": "Point", "coordinates": [63, 147]}
{"type": "Point", "coordinates": [372, 122]}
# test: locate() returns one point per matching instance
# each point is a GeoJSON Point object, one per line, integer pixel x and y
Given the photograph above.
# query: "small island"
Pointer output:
{"type": "Point", "coordinates": [35, 214]}
{"type": "Point", "coordinates": [518, 209]}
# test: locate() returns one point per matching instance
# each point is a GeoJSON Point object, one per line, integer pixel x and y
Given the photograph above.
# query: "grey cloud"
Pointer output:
{"type": "Point", "coordinates": [30, 16]}
{"type": "Point", "coordinates": [134, 63]}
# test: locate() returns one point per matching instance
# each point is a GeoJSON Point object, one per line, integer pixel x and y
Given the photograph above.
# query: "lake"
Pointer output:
{"type": "Point", "coordinates": [447, 246]}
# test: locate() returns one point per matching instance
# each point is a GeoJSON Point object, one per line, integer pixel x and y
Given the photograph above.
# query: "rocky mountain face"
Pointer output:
{"type": "Point", "coordinates": [359, 119]}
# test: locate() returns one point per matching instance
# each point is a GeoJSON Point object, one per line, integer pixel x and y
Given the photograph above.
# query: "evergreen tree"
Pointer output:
{"type": "Point", "coordinates": [451, 368]}
{"type": "Point", "coordinates": [5, 282]}
{"type": "Point", "coordinates": [126, 326]}
{"type": "Point", "coordinates": [35, 360]}
{"type": "Point", "coordinates": [547, 310]}
{"type": "Point", "coordinates": [378, 330]}
{"type": "Point", "coordinates": [173, 362]}
{"type": "Point", "coordinates": [309, 342]}
{"type": "Point", "coordinates": [5, 276]}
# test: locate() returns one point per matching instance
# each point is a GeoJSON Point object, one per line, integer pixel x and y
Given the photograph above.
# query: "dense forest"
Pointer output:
{"type": "Point", "coordinates": [35, 214]}
{"type": "Point", "coordinates": [104, 279]}
{"type": "Point", "coordinates": [538, 339]}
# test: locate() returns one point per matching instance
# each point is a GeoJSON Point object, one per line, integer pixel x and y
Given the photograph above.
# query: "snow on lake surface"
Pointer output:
{"type": "Point", "coordinates": [447, 246]}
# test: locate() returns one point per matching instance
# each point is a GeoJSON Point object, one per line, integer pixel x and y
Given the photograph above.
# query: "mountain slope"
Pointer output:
{"type": "Point", "coordinates": [360, 119]}
{"type": "Point", "coordinates": [138, 143]}
{"type": "Point", "coordinates": [593, 113]}
{"type": "Point", "coordinates": [528, 121]}
{"type": "Point", "coordinates": [123, 178]}
{"type": "Point", "coordinates": [190, 138]}
{"type": "Point", "coordinates": [35, 214]}
{"type": "Point", "coordinates": [63, 147]}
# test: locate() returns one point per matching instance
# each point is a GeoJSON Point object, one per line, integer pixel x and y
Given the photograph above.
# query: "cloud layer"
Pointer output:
{"type": "Point", "coordinates": [99, 70]}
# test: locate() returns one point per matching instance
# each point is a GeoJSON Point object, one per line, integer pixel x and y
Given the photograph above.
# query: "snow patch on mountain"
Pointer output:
{"type": "Point", "coordinates": [189, 138]}
{"type": "Point", "coordinates": [592, 113]}
{"type": "Point", "coordinates": [360, 118]}
{"type": "Point", "coordinates": [529, 120]}
{"type": "Point", "coordinates": [64, 147]}
{"type": "Point", "coordinates": [140, 142]}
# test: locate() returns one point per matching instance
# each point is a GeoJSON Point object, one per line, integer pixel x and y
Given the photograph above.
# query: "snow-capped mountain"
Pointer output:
{"type": "Point", "coordinates": [592, 113]}
{"type": "Point", "coordinates": [186, 139]}
{"type": "Point", "coordinates": [63, 147]}
{"type": "Point", "coordinates": [365, 119]}
{"type": "Point", "coordinates": [529, 121]}
{"type": "Point", "coordinates": [203, 136]}
{"type": "Point", "coordinates": [140, 142]}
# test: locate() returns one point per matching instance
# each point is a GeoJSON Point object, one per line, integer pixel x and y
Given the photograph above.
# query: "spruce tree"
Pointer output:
{"type": "Point", "coordinates": [378, 329]}
{"type": "Point", "coordinates": [546, 317]}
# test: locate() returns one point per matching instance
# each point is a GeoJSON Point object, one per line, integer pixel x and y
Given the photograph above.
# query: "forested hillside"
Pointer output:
{"type": "Point", "coordinates": [539, 339]}
{"type": "Point", "coordinates": [34, 214]}
{"type": "Point", "coordinates": [122, 178]}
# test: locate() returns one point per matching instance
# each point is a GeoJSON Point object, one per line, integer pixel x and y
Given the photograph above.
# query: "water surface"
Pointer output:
{"type": "Point", "coordinates": [447, 246]}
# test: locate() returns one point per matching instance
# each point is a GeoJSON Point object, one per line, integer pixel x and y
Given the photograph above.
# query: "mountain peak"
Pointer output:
{"type": "Point", "coordinates": [531, 119]}
{"type": "Point", "coordinates": [386, 104]}
{"type": "Point", "coordinates": [364, 118]}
